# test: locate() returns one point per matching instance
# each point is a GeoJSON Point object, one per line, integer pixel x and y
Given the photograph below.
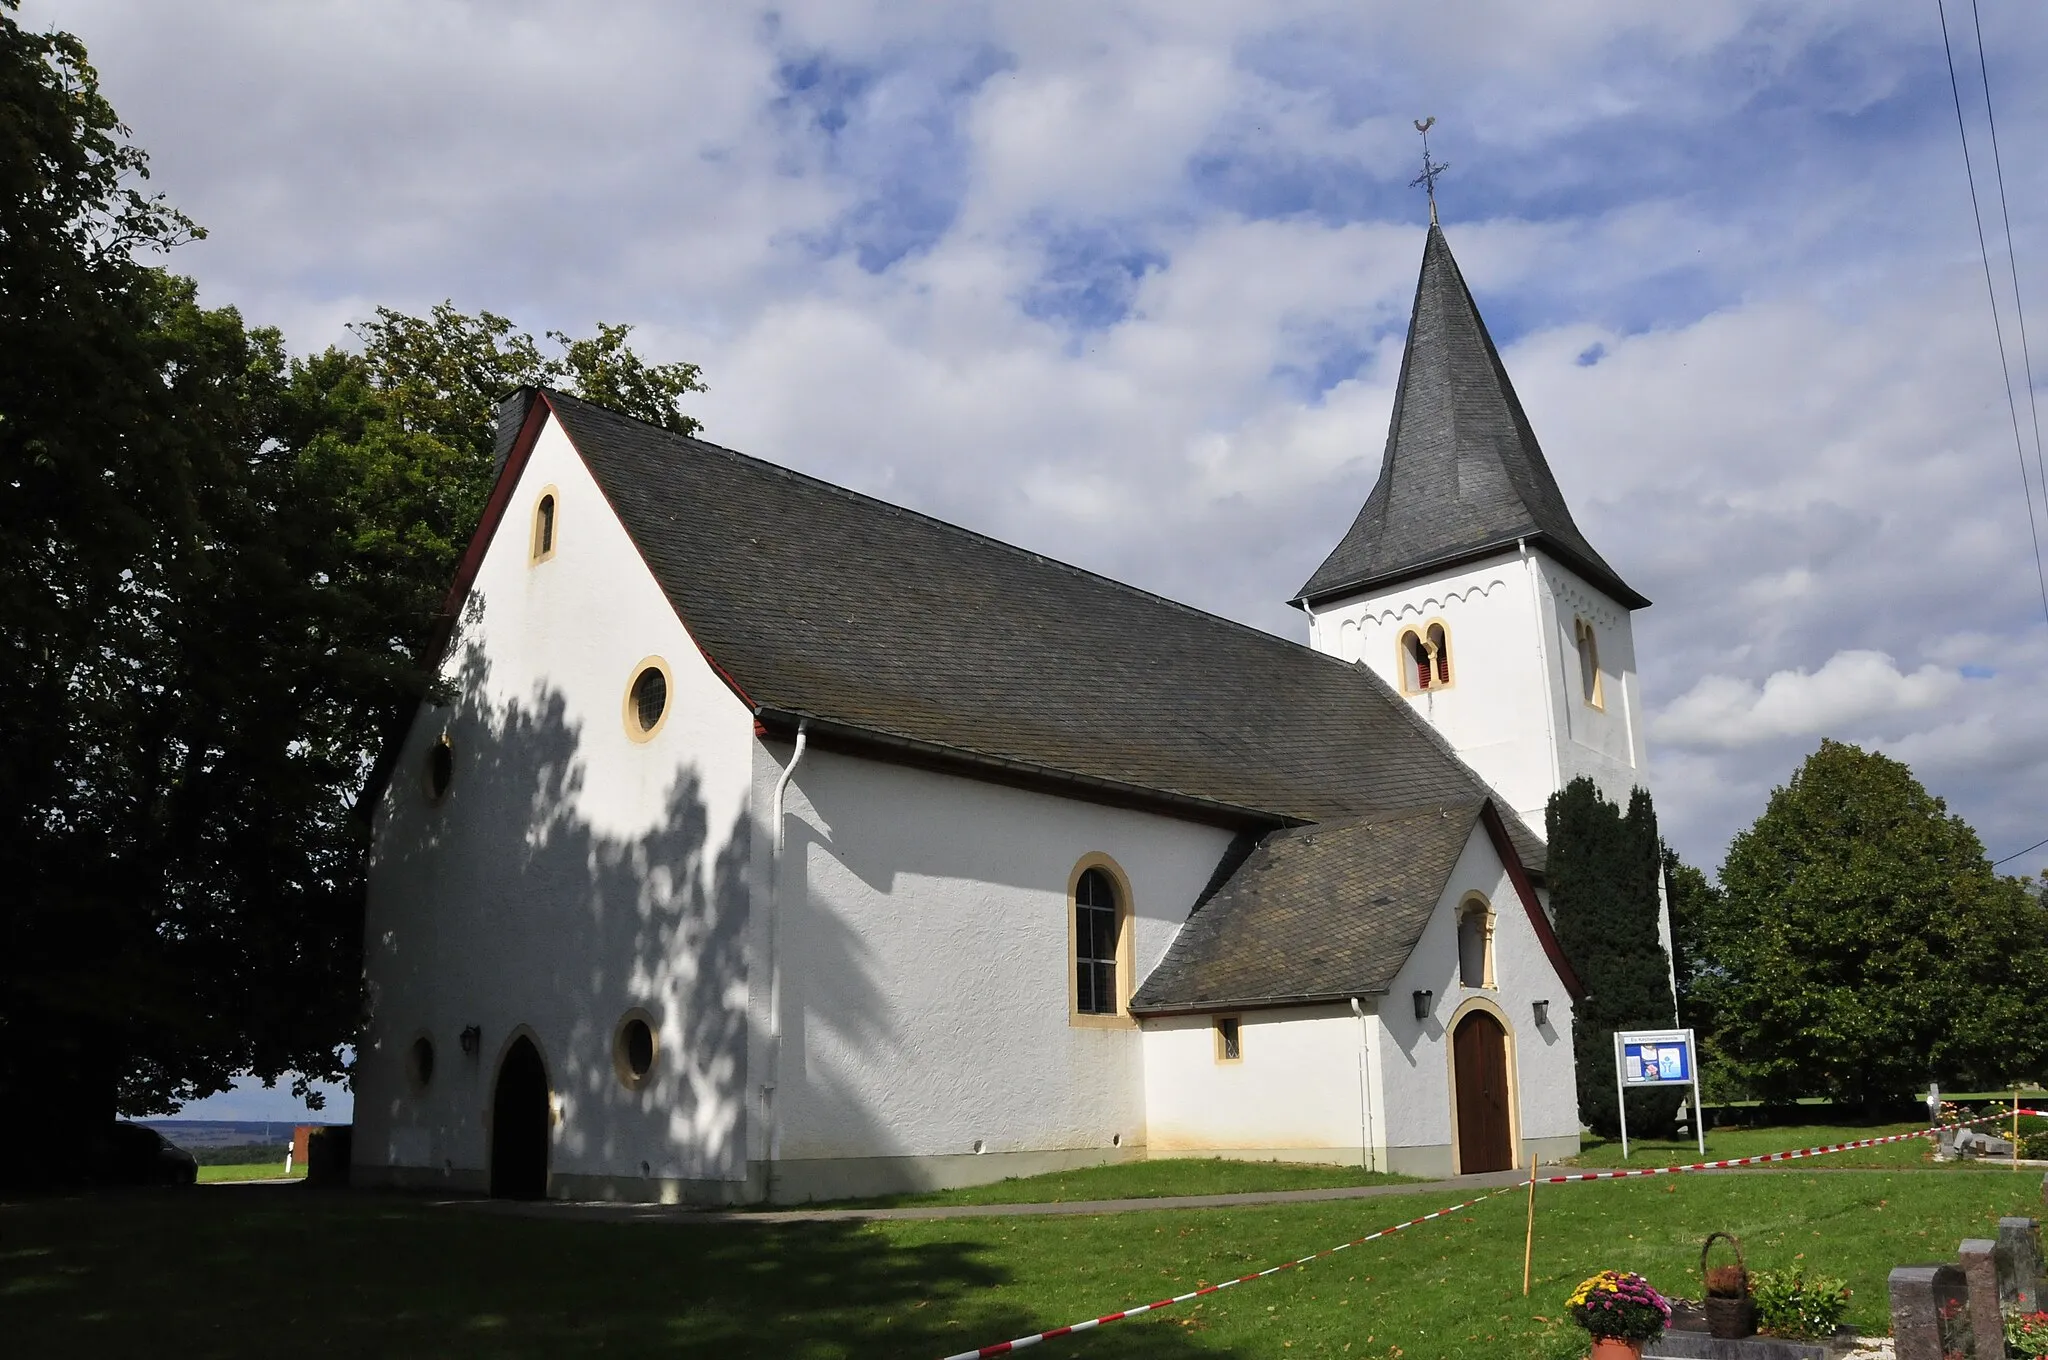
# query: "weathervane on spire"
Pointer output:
{"type": "Point", "coordinates": [1430, 169]}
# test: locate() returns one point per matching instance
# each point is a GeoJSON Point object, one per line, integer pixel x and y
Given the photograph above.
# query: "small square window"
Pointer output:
{"type": "Point", "coordinates": [1229, 1039]}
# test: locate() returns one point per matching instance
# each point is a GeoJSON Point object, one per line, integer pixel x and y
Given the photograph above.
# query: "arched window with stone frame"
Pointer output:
{"type": "Point", "coordinates": [1475, 943]}
{"type": "Point", "coordinates": [1438, 639]}
{"type": "Point", "coordinates": [1425, 658]}
{"type": "Point", "coordinates": [1588, 644]}
{"type": "Point", "coordinates": [1099, 914]}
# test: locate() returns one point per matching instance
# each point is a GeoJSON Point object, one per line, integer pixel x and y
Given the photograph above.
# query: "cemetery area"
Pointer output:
{"type": "Point", "coordinates": [246, 1270]}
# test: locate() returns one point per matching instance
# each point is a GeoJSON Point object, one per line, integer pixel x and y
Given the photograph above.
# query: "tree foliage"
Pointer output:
{"type": "Point", "coordinates": [219, 567]}
{"type": "Point", "coordinates": [1694, 900]}
{"type": "Point", "coordinates": [1863, 943]}
{"type": "Point", "coordinates": [1604, 868]}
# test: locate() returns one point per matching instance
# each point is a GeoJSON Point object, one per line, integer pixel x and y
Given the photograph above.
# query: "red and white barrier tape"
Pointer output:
{"type": "Point", "coordinates": [1005, 1347]}
{"type": "Point", "coordinates": [1773, 1156]}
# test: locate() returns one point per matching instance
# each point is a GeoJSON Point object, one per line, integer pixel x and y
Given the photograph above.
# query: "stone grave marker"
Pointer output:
{"type": "Point", "coordinates": [1931, 1314]}
{"type": "Point", "coordinates": [1979, 1257]}
{"type": "Point", "coordinates": [2019, 1264]}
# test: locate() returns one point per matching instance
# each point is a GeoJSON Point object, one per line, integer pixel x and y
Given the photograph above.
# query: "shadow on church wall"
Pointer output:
{"type": "Point", "coordinates": [528, 899]}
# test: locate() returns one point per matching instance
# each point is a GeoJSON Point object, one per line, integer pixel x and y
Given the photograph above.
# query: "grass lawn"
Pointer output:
{"type": "Point", "coordinates": [271, 1270]}
{"type": "Point", "coordinates": [250, 1171]}
{"type": "Point", "coordinates": [1146, 1180]}
{"type": "Point", "coordinates": [1729, 1143]}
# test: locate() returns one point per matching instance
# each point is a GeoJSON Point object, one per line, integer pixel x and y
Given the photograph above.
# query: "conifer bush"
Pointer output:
{"type": "Point", "coordinates": [1604, 871]}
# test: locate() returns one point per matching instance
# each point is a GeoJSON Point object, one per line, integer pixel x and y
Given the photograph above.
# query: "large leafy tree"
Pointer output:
{"type": "Point", "coordinates": [1694, 900]}
{"type": "Point", "coordinates": [218, 567]}
{"type": "Point", "coordinates": [1603, 867]}
{"type": "Point", "coordinates": [1863, 943]}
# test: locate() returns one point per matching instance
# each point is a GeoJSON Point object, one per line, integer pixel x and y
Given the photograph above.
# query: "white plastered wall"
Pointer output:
{"type": "Point", "coordinates": [1515, 709]}
{"type": "Point", "coordinates": [1296, 1094]}
{"type": "Point", "coordinates": [1415, 1055]}
{"type": "Point", "coordinates": [924, 950]}
{"type": "Point", "coordinates": [569, 873]}
{"type": "Point", "coordinates": [1606, 744]}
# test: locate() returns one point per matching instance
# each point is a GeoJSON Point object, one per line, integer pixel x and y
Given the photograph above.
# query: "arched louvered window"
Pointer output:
{"type": "Point", "coordinates": [1440, 649]}
{"type": "Point", "coordinates": [1416, 667]}
{"type": "Point", "coordinates": [1589, 664]}
{"type": "Point", "coordinates": [1425, 658]}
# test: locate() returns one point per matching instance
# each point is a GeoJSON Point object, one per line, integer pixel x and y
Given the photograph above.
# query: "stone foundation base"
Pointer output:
{"type": "Point", "coordinates": [811, 1180]}
{"type": "Point", "coordinates": [458, 1181]}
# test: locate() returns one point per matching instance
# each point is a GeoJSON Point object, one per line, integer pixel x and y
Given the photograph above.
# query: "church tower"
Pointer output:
{"type": "Point", "coordinates": [1465, 583]}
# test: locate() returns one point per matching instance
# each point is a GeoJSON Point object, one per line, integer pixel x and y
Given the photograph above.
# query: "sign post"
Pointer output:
{"type": "Point", "coordinates": [1657, 1057]}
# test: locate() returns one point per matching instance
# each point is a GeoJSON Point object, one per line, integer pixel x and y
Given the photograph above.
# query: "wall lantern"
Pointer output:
{"type": "Point", "coordinates": [472, 1040]}
{"type": "Point", "coordinates": [1422, 1004]}
{"type": "Point", "coordinates": [1542, 1009]}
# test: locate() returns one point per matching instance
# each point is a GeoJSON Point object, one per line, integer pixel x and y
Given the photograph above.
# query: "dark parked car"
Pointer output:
{"type": "Point", "coordinates": [132, 1154]}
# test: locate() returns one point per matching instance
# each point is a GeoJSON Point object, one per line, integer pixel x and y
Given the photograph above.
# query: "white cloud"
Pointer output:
{"type": "Point", "coordinates": [1852, 689]}
{"type": "Point", "coordinates": [1124, 281]}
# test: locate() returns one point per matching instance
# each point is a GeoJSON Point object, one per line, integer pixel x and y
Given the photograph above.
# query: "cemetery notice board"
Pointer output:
{"type": "Point", "coordinates": [1657, 1057]}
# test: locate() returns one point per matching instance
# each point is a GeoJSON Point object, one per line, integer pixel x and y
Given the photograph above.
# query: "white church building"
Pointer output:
{"type": "Point", "coordinates": [766, 841]}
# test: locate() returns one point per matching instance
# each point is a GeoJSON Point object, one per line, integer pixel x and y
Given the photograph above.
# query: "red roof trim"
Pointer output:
{"type": "Point", "coordinates": [1497, 832]}
{"type": "Point", "coordinates": [472, 560]}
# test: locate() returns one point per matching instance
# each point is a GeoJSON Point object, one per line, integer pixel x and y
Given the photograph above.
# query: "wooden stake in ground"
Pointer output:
{"type": "Point", "coordinates": [1529, 1242]}
{"type": "Point", "coordinates": [2015, 1128]}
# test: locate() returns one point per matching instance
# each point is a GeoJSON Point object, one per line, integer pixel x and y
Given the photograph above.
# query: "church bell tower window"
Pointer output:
{"type": "Point", "coordinates": [1425, 659]}
{"type": "Point", "coordinates": [1589, 664]}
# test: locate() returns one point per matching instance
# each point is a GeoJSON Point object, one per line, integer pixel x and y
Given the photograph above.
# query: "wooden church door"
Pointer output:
{"type": "Point", "coordinates": [1480, 1052]}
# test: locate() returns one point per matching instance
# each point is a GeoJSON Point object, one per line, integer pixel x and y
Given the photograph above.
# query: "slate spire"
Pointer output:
{"type": "Point", "coordinates": [1462, 476]}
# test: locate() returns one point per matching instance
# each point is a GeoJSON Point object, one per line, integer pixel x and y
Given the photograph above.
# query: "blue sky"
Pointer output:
{"type": "Point", "coordinates": [1125, 282]}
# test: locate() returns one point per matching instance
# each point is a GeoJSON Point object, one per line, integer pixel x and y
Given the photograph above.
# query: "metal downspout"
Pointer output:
{"type": "Point", "coordinates": [769, 1115]}
{"type": "Point", "coordinates": [1365, 1147]}
{"type": "Point", "coordinates": [1543, 667]}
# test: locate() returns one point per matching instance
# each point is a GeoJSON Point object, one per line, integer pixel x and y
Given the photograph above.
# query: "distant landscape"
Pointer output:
{"type": "Point", "coordinates": [198, 1135]}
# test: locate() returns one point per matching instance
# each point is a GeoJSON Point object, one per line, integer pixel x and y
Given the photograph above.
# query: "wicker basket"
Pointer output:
{"type": "Point", "coordinates": [1730, 1316]}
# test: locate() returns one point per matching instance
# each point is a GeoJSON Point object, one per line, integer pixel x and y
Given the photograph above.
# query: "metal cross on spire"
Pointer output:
{"type": "Point", "coordinates": [1430, 168]}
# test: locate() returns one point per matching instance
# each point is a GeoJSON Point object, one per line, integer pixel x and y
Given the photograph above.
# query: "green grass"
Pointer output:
{"type": "Point", "coordinates": [1726, 1144]}
{"type": "Point", "coordinates": [249, 1171]}
{"type": "Point", "coordinates": [1145, 1180]}
{"type": "Point", "coordinates": [285, 1269]}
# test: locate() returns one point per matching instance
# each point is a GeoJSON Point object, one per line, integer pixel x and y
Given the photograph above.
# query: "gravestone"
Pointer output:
{"type": "Point", "coordinates": [1931, 1314]}
{"type": "Point", "coordinates": [1979, 1257]}
{"type": "Point", "coordinates": [2019, 1264]}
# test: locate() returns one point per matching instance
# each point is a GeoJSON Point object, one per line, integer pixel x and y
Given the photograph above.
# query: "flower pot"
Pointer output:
{"type": "Point", "coordinates": [1615, 1348]}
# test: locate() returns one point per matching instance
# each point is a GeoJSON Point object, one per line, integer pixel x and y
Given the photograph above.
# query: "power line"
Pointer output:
{"type": "Point", "coordinates": [2011, 258]}
{"type": "Point", "coordinates": [1997, 326]}
{"type": "Point", "coordinates": [2017, 853]}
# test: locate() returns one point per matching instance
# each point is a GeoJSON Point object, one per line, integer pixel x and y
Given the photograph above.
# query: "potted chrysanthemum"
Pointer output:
{"type": "Point", "coordinates": [1621, 1311]}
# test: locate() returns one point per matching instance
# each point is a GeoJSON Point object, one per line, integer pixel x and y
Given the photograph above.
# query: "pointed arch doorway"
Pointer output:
{"type": "Point", "coordinates": [1479, 1055]}
{"type": "Point", "coordinates": [520, 1119]}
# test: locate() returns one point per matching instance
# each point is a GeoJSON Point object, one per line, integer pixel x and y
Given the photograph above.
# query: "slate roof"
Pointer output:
{"type": "Point", "coordinates": [1317, 913]}
{"type": "Point", "coordinates": [1462, 475]}
{"type": "Point", "coordinates": [817, 602]}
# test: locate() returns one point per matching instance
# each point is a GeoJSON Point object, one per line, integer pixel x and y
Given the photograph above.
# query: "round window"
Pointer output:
{"type": "Point", "coordinates": [633, 1050]}
{"type": "Point", "coordinates": [419, 1062]}
{"type": "Point", "coordinates": [440, 768]}
{"type": "Point", "coordinates": [648, 699]}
